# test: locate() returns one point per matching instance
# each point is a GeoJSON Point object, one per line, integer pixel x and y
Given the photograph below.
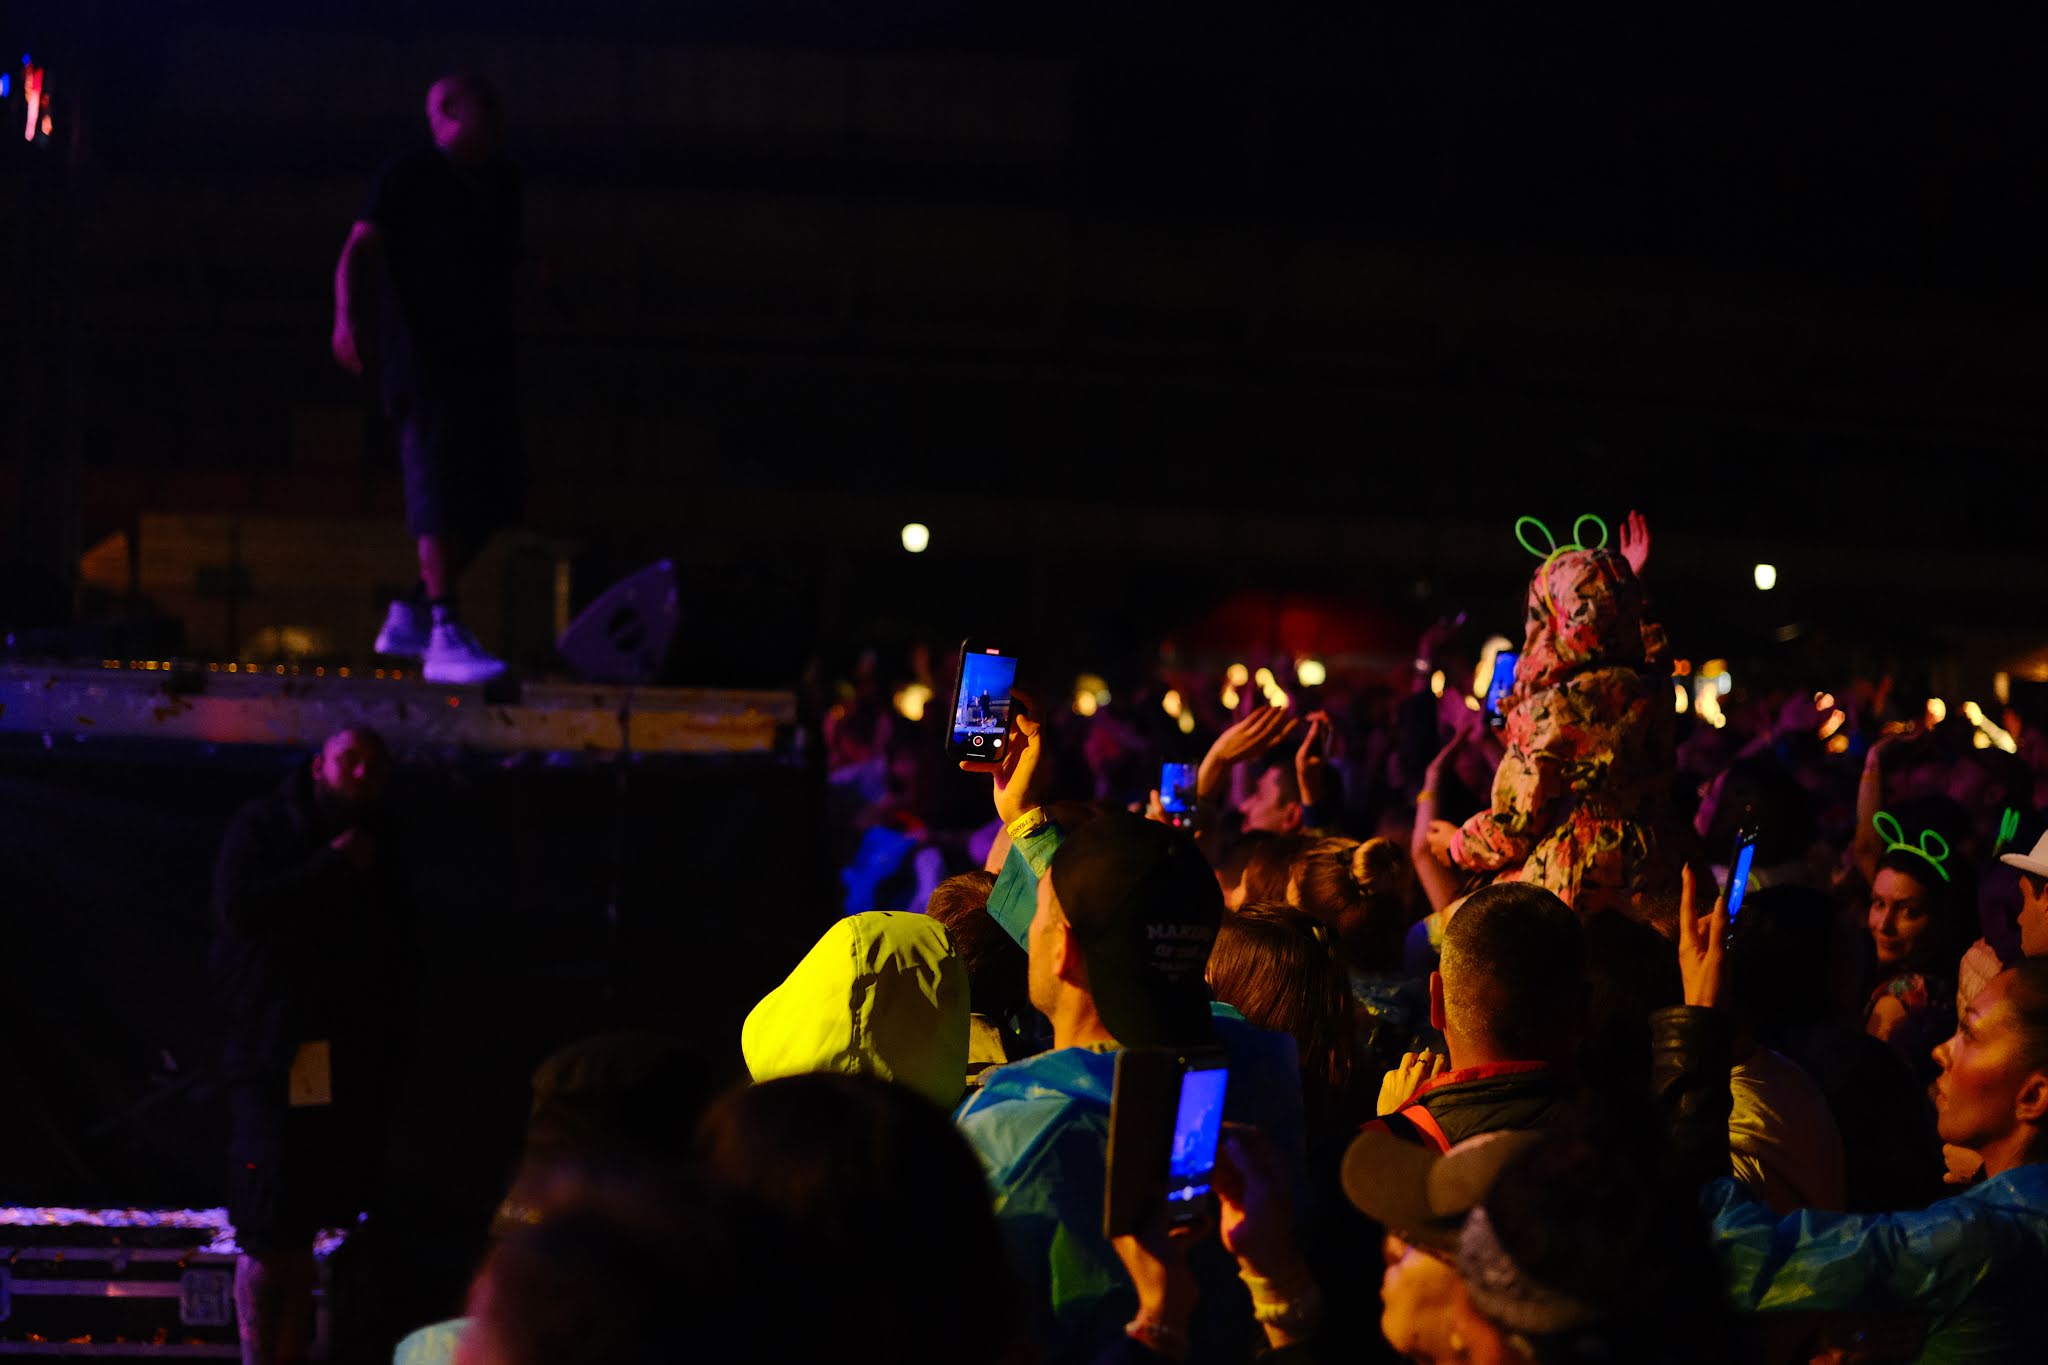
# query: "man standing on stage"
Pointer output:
{"type": "Point", "coordinates": [308, 971]}
{"type": "Point", "coordinates": [444, 224]}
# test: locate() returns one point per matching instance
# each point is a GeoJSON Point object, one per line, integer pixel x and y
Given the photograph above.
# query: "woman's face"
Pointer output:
{"type": "Point", "coordinates": [1899, 918]}
{"type": "Point", "coordinates": [1986, 1079]}
{"type": "Point", "coordinates": [1419, 1295]}
{"type": "Point", "coordinates": [1427, 1316]}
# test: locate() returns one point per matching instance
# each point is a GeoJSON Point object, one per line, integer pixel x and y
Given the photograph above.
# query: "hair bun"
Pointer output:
{"type": "Point", "coordinates": [1380, 866]}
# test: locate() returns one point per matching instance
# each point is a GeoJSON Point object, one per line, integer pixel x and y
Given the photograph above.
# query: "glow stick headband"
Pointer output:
{"type": "Point", "coordinates": [1895, 840]}
{"type": "Point", "coordinates": [1577, 543]}
{"type": "Point", "coordinates": [2008, 829]}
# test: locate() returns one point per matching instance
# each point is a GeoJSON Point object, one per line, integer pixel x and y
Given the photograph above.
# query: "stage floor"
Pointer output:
{"type": "Point", "coordinates": [292, 706]}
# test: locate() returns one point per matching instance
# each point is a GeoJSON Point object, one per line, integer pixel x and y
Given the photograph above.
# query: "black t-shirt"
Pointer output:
{"type": "Point", "coordinates": [451, 248]}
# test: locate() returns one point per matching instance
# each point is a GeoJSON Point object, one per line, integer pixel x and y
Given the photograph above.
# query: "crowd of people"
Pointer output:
{"type": "Point", "coordinates": [1508, 1080]}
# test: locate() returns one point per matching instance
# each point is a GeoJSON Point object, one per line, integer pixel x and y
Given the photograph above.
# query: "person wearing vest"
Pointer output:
{"type": "Point", "coordinates": [1510, 998]}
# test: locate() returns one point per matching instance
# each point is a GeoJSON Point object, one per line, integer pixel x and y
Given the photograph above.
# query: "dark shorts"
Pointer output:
{"type": "Point", "coordinates": [463, 473]}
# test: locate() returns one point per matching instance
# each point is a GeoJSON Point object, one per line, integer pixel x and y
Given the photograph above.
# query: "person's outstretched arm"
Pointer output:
{"type": "Point", "coordinates": [1439, 883]}
{"type": "Point", "coordinates": [1689, 1048]}
{"type": "Point", "coordinates": [1926, 1261]}
{"type": "Point", "coordinates": [1019, 787]}
{"type": "Point", "coordinates": [1529, 780]}
{"type": "Point", "coordinates": [351, 286]}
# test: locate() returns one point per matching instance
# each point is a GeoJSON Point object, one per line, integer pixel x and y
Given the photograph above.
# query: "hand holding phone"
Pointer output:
{"type": "Point", "coordinates": [1165, 1120]}
{"type": "Point", "coordinates": [1502, 682]}
{"type": "Point", "coordinates": [979, 724]}
{"type": "Point", "coordinates": [1254, 1201]}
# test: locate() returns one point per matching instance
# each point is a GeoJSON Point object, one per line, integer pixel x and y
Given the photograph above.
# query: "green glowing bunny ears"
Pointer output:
{"type": "Point", "coordinates": [2008, 829]}
{"type": "Point", "coordinates": [1578, 542]}
{"type": "Point", "coordinates": [1895, 840]}
{"type": "Point", "coordinates": [1551, 549]}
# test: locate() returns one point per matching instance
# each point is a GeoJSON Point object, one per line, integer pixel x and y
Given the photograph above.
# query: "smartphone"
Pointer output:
{"type": "Point", "coordinates": [1502, 683]}
{"type": "Point", "coordinates": [980, 723]}
{"type": "Point", "coordinates": [1197, 1127]}
{"type": "Point", "coordinates": [1165, 1120]}
{"type": "Point", "coordinates": [1177, 793]}
{"type": "Point", "coordinates": [1738, 875]}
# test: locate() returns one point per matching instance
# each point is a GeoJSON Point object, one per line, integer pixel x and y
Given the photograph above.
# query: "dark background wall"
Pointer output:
{"type": "Point", "coordinates": [806, 270]}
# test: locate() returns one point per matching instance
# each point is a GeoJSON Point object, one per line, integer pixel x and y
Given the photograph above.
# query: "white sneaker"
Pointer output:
{"type": "Point", "coordinates": [404, 635]}
{"type": "Point", "coordinates": [454, 656]}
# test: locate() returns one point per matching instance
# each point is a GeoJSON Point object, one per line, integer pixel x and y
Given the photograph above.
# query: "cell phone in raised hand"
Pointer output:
{"type": "Point", "coordinates": [1738, 875]}
{"type": "Point", "coordinates": [1197, 1127]}
{"type": "Point", "coordinates": [1498, 687]}
{"type": "Point", "coordinates": [979, 724]}
{"type": "Point", "coordinates": [1177, 793]}
{"type": "Point", "coordinates": [1165, 1121]}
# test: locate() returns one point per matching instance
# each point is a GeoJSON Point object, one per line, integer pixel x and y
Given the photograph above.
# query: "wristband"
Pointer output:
{"type": "Point", "coordinates": [1294, 1305]}
{"type": "Point", "coordinates": [1027, 824]}
{"type": "Point", "coordinates": [1152, 1333]}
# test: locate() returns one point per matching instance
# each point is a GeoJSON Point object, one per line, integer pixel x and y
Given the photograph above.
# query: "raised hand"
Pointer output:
{"type": "Point", "coordinates": [1253, 1213]}
{"type": "Point", "coordinates": [1157, 1262]}
{"type": "Point", "coordinates": [1020, 774]}
{"type": "Point", "coordinates": [1248, 739]}
{"type": "Point", "coordinates": [1398, 1086]}
{"type": "Point", "coordinates": [1310, 766]}
{"type": "Point", "coordinates": [1437, 636]}
{"type": "Point", "coordinates": [1702, 944]}
{"type": "Point", "coordinates": [1254, 736]}
{"type": "Point", "coordinates": [343, 343]}
{"type": "Point", "coordinates": [1635, 542]}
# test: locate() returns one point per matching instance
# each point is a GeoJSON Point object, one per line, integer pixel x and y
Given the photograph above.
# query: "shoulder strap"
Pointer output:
{"type": "Point", "coordinates": [1425, 1125]}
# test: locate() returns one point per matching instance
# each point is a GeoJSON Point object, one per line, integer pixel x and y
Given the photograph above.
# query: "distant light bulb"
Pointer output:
{"type": "Point", "coordinates": [1264, 678]}
{"type": "Point", "coordinates": [1684, 702]}
{"type": "Point", "coordinates": [1311, 672]}
{"type": "Point", "coordinates": [1436, 683]}
{"type": "Point", "coordinates": [1171, 704]}
{"type": "Point", "coordinates": [1766, 577]}
{"type": "Point", "coordinates": [916, 537]}
{"type": "Point", "coordinates": [1238, 675]}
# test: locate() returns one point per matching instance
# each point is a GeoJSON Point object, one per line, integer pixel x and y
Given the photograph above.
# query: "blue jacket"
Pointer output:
{"type": "Point", "coordinates": [1975, 1265]}
{"type": "Point", "coordinates": [1041, 1128]}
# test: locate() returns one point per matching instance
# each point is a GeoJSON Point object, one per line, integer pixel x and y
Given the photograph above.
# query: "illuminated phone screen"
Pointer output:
{"type": "Point", "coordinates": [1177, 788]}
{"type": "Point", "coordinates": [981, 711]}
{"type": "Point", "coordinates": [1197, 1126]}
{"type": "Point", "coordinates": [1503, 680]}
{"type": "Point", "coordinates": [1738, 878]}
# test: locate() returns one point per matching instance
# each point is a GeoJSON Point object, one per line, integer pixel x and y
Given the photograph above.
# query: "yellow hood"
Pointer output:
{"type": "Point", "coordinates": [882, 994]}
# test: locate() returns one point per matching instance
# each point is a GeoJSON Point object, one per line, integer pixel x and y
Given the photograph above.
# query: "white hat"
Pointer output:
{"type": "Point", "coordinates": [2035, 862]}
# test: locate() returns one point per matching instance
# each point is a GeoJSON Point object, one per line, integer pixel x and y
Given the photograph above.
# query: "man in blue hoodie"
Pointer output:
{"type": "Point", "coordinates": [1117, 919]}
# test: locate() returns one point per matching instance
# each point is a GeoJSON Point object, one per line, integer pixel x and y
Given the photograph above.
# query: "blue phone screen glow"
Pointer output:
{"type": "Point", "coordinates": [1197, 1127]}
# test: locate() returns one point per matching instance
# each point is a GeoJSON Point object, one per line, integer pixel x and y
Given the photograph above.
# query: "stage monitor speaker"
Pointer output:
{"type": "Point", "coordinates": [624, 636]}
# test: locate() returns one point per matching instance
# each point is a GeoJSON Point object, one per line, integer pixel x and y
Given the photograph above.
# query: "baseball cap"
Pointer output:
{"type": "Point", "coordinates": [1143, 904]}
{"type": "Point", "coordinates": [1448, 1205]}
{"type": "Point", "coordinates": [1422, 1195]}
{"type": "Point", "coordinates": [2035, 862]}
